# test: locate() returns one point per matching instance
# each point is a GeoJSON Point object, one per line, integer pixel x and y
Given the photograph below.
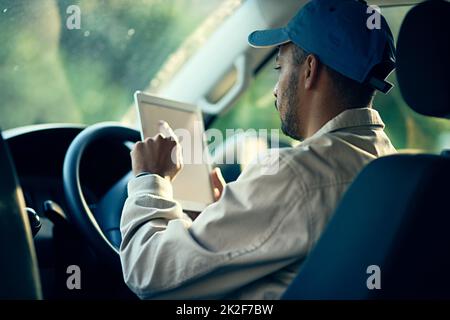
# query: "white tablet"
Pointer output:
{"type": "Point", "coordinates": [192, 187]}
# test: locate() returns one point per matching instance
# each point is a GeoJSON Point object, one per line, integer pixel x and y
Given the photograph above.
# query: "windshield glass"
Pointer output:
{"type": "Point", "coordinates": [81, 61]}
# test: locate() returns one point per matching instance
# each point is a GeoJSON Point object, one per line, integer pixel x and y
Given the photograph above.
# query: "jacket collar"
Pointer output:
{"type": "Point", "coordinates": [351, 118]}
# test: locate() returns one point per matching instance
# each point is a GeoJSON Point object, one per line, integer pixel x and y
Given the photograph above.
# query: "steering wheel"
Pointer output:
{"type": "Point", "coordinates": [102, 229]}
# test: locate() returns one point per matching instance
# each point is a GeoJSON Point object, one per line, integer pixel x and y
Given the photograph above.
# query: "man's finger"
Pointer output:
{"type": "Point", "coordinates": [217, 179]}
{"type": "Point", "coordinates": [166, 130]}
{"type": "Point", "coordinates": [217, 194]}
{"type": "Point", "coordinates": [220, 176]}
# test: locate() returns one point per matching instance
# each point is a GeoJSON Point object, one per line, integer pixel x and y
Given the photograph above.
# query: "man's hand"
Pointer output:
{"type": "Point", "coordinates": [159, 155]}
{"type": "Point", "coordinates": [218, 183]}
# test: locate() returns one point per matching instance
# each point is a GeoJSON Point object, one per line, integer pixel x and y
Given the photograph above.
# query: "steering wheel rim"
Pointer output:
{"type": "Point", "coordinates": [79, 212]}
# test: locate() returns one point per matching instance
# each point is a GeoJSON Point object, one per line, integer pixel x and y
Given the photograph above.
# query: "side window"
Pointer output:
{"type": "Point", "coordinates": [407, 129]}
{"type": "Point", "coordinates": [255, 109]}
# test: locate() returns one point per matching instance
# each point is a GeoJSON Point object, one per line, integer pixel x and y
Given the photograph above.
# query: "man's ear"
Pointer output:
{"type": "Point", "coordinates": [311, 71]}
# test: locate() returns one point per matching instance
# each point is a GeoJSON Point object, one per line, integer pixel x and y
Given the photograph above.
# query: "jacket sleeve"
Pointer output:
{"type": "Point", "coordinates": [233, 242]}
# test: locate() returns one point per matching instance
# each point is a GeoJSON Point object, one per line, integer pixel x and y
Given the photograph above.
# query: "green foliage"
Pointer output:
{"type": "Point", "coordinates": [49, 73]}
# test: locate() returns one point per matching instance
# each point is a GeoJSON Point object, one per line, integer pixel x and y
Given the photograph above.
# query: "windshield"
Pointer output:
{"type": "Point", "coordinates": [81, 61]}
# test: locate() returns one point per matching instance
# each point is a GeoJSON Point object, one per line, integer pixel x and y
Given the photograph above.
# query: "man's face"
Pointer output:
{"type": "Point", "coordinates": [287, 92]}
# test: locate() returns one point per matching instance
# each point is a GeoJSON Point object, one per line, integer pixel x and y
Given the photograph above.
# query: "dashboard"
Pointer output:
{"type": "Point", "coordinates": [38, 155]}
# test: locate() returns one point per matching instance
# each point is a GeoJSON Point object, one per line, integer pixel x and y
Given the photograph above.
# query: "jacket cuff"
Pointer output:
{"type": "Point", "coordinates": [150, 184]}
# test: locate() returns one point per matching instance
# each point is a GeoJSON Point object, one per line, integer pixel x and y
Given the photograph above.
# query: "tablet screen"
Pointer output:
{"type": "Point", "coordinates": [192, 186]}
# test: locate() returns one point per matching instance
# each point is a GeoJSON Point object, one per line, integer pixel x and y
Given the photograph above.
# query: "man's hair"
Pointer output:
{"type": "Point", "coordinates": [352, 93]}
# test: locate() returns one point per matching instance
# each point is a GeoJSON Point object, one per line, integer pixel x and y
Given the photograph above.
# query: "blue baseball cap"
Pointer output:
{"type": "Point", "coordinates": [346, 35]}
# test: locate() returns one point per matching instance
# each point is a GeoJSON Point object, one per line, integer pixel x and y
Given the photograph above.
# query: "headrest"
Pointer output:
{"type": "Point", "coordinates": [423, 58]}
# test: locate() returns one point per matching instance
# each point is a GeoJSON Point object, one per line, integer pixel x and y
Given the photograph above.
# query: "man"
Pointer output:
{"type": "Point", "coordinates": [251, 242]}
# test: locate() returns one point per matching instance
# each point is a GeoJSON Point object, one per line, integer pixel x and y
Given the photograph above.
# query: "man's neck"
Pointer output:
{"type": "Point", "coordinates": [320, 113]}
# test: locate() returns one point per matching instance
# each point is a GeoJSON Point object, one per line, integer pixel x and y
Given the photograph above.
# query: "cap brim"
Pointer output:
{"type": "Point", "coordinates": [268, 38]}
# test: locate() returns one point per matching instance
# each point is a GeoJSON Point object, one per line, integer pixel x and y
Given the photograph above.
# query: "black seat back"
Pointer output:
{"type": "Point", "coordinates": [394, 216]}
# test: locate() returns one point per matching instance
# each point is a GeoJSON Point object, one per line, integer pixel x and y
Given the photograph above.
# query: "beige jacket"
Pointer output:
{"type": "Point", "coordinates": [251, 243]}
